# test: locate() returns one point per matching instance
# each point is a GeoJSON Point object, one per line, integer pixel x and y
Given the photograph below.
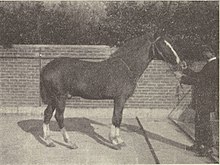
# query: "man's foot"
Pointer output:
{"type": "Point", "coordinates": [194, 148]}
{"type": "Point", "coordinates": [204, 151]}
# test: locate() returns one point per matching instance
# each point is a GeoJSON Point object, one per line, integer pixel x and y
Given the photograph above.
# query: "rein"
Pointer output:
{"type": "Point", "coordinates": [154, 46]}
{"type": "Point", "coordinates": [125, 64]}
{"type": "Point", "coordinates": [184, 66]}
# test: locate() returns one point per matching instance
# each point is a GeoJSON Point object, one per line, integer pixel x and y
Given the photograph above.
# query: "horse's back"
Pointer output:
{"type": "Point", "coordinates": [65, 72]}
{"type": "Point", "coordinates": [61, 67]}
{"type": "Point", "coordinates": [59, 63]}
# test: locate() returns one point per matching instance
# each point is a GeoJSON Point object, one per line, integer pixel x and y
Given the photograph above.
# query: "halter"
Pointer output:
{"type": "Point", "coordinates": [154, 46]}
{"type": "Point", "coordinates": [183, 66]}
{"type": "Point", "coordinates": [125, 64]}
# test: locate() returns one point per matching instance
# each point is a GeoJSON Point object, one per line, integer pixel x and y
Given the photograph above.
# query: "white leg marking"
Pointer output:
{"type": "Point", "coordinates": [65, 135]}
{"type": "Point", "coordinates": [112, 133]}
{"type": "Point", "coordinates": [46, 135]}
{"type": "Point", "coordinates": [117, 131]}
{"type": "Point", "coordinates": [118, 137]}
{"type": "Point", "coordinates": [46, 130]}
{"type": "Point", "coordinates": [66, 138]}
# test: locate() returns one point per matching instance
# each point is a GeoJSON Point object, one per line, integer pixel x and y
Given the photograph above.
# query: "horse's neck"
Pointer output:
{"type": "Point", "coordinates": [138, 64]}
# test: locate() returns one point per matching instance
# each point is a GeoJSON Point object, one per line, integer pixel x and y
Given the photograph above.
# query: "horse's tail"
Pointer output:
{"type": "Point", "coordinates": [43, 91]}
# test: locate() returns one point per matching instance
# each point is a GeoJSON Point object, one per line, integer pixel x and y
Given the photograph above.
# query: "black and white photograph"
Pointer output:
{"type": "Point", "coordinates": [109, 82]}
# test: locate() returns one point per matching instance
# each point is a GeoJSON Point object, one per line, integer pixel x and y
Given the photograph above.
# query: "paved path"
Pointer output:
{"type": "Point", "coordinates": [20, 142]}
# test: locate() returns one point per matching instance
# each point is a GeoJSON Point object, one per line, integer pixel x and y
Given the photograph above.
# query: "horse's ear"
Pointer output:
{"type": "Point", "coordinates": [160, 33]}
{"type": "Point", "coordinates": [156, 35]}
{"type": "Point", "coordinates": [163, 33]}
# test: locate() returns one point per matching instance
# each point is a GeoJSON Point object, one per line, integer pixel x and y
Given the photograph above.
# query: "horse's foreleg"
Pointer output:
{"type": "Point", "coordinates": [59, 115]}
{"type": "Point", "coordinates": [48, 113]}
{"type": "Point", "coordinates": [116, 122]}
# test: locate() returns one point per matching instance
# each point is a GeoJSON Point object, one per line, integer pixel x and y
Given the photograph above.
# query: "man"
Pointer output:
{"type": "Point", "coordinates": [205, 84]}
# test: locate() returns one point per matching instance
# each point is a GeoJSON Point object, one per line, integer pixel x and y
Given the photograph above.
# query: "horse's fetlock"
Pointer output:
{"type": "Point", "coordinates": [66, 139]}
{"type": "Point", "coordinates": [47, 137]}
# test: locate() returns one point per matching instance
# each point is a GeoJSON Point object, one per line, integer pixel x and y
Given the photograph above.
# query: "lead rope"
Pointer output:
{"type": "Point", "coordinates": [179, 85]}
{"type": "Point", "coordinates": [161, 54]}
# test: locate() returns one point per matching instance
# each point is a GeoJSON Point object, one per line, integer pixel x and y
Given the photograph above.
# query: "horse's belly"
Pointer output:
{"type": "Point", "coordinates": [89, 91]}
{"type": "Point", "coordinates": [91, 95]}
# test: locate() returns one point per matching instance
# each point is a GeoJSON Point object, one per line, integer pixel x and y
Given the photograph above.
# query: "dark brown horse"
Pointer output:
{"type": "Point", "coordinates": [114, 78]}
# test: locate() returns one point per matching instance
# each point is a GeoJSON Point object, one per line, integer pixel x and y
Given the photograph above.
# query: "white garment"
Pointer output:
{"type": "Point", "coordinates": [211, 59]}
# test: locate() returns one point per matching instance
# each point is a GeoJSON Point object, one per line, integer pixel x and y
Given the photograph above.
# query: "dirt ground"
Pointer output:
{"type": "Point", "coordinates": [21, 142]}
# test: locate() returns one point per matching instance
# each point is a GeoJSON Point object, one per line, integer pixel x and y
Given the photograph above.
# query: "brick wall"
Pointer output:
{"type": "Point", "coordinates": [19, 77]}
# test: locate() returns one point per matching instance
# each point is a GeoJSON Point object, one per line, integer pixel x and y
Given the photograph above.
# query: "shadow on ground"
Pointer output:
{"type": "Point", "coordinates": [82, 125]}
{"type": "Point", "coordinates": [153, 136]}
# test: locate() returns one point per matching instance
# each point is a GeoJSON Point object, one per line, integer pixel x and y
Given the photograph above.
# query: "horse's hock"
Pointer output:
{"type": "Point", "coordinates": [21, 65]}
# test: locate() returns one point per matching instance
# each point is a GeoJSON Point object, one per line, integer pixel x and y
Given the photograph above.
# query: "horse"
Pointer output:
{"type": "Point", "coordinates": [113, 78]}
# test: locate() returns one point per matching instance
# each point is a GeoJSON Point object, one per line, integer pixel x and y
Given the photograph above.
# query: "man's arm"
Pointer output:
{"type": "Point", "coordinates": [188, 80]}
{"type": "Point", "coordinates": [189, 77]}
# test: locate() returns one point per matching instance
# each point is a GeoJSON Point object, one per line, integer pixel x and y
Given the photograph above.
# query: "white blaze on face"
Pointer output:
{"type": "Point", "coordinates": [174, 52]}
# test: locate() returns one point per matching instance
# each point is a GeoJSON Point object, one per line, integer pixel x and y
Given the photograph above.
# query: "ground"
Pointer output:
{"type": "Point", "coordinates": [21, 142]}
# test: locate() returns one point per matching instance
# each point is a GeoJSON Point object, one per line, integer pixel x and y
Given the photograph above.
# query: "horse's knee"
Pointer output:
{"type": "Point", "coordinates": [60, 119]}
{"type": "Point", "coordinates": [48, 113]}
{"type": "Point", "coordinates": [59, 116]}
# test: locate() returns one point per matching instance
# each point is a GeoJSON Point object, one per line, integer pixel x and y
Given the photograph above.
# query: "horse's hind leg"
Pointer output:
{"type": "Point", "coordinates": [48, 113]}
{"type": "Point", "coordinates": [59, 115]}
{"type": "Point", "coordinates": [116, 122]}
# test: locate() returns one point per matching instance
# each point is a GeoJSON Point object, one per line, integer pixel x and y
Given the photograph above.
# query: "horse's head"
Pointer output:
{"type": "Point", "coordinates": [163, 50]}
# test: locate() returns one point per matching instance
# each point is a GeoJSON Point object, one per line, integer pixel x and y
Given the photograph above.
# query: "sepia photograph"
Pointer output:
{"type": "Point", "coordinates": [109, 82]}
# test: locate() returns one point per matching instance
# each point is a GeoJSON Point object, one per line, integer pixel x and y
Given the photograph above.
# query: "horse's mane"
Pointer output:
{"type": "Point", "coordinates": [133, 44]}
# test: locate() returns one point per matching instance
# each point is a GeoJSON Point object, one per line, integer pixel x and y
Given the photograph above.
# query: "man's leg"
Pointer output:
{"type": "Point", "coordinates": [197, 143]}
{"type": "Point", "coordinates": [206, 130]}
{"type": "Point", "coordinates": [205, 134]}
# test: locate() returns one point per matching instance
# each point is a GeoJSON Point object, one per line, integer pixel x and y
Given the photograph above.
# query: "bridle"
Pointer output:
{"type": "Point", "coordinates": [179, 86]}
{"type": "Point", "coordinates": [182, 63]}
{"type": "Point", "coordinates": [155, 48]}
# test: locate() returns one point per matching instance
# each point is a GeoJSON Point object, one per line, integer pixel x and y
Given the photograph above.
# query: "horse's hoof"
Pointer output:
{"type": "Point", "coordinates": [51, 144]}
{"type": "Point", "coordinates": [115, 144]}
{"type": "Point", "coordinates": [116, 147]}
{"type": "Point", "coordinates": [72, 145]}
{"type": "Point", "coordinates": [113, 140]}
{"type": "Point", "coordinates": [123, 144]}
{"type": "Point", "coordinates": [48, 142]}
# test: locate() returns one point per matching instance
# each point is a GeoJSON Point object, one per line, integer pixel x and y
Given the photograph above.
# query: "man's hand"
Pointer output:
{"type": "Point", "coordinates": [178, 74]}
{"type": "Point", "coordinates": [183, 65]}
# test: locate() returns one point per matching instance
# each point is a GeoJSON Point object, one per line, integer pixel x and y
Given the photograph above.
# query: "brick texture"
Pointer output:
{"type": "Point", "coordinates": [20, 67]}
